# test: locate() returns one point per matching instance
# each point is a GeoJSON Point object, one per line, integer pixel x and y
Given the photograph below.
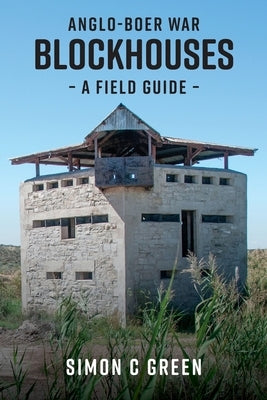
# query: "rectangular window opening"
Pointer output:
{"type": "Point", "coordinates": [83, 276]}
{"type": "Point", "coordinates": [188, 225]}
{"type": "Point", "coordinates": [67, 182]}
{"type": "Point", "coordinates": [52, 222]}
{"type": "Point", "coordinates": [67, 228]}
{"type": "Point", "coordinates": [83, 220]}
{"type": "Point", "coordinates": [160, 218]}
{"type": "Point", "coordinates": [217, 219]}
{"type": "Point", "coordinates": [224, 181]}
{"type": "Point", "coordinates": [207, 180]}
{"type": "Point", "coordinates": [38, 224]}
{"type": "Point", "coordinates": [83, 181]}
{"type": "Point", "coordinates": [167, 274]}
{"type": "Point", "coordinates": [98, 219]}
{"type": "Point", "coordinates": [131, 176]}
{"type": "Point", "coordinates": [171, 178]}
{"type": "Point", "coordinates": [54, 275]}
{"type": "Point", "coordinates": [189, 179]}
{"type": "Point", "coordinates": [38, 187]}
{"type": "Point", "coordinates": [52, 185]}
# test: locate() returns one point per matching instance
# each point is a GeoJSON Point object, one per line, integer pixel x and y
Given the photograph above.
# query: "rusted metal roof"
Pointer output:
{"type": "Point", "coordinates": [122, 133]}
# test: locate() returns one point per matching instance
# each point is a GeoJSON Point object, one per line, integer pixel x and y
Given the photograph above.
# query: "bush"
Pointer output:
{"type": "Point", "coordinates": [10, 300]}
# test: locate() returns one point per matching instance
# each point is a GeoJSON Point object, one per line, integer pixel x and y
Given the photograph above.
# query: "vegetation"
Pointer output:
{"type": "Point", "coordinates": [9, 259]}
{"type": "Point", "coordinates": [10, 286]}
{"type": "Point", "coordinates": [230, 340]}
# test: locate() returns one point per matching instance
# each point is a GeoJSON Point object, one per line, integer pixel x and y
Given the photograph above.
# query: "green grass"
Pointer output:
{"type": "Point", "coordinates": [10, 316]}
{"type": "Point", "coordinates": [10, 287]}
{"type": "Point", "coordinates": [10, 301]}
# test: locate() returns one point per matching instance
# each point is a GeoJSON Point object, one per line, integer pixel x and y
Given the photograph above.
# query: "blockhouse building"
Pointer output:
{"type": "Point", "coordinates": [109, 229]}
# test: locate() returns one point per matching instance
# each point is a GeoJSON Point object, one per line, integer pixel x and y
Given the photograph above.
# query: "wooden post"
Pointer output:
{"type": "Point", "coordinates": [154, 152]}
{"type": "Point", "coordinates": [226, 154]}
{"type": "Point", "coordinates": [37, 167]}
{"type": "Point", "coordinates": [96, 155]}
{"type": "Point", "coordinates": [188, 159]}
{"type": "Point", "coordinates": [70, 164]}
{"type": "Point", "coordinates": [149, 145]}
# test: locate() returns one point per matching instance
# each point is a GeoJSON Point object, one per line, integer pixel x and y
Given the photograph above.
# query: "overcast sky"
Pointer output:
{"type": "Point", "coordinates": [40, 112]}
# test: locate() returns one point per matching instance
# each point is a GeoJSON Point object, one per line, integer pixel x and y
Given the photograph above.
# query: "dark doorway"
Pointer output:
{"type": "Point", "coordinates": [188, 222]}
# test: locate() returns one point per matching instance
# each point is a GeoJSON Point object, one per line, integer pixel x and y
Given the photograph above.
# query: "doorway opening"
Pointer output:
{"type": "Point", "coordinates": [188, 234]}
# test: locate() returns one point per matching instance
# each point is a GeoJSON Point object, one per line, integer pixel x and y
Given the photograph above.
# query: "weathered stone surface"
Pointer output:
{"type": "Point", "coordinates": [126, 255]}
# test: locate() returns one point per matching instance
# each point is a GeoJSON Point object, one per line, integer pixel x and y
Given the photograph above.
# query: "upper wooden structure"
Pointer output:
{"type": "Point", "coordinates": [124, 134]}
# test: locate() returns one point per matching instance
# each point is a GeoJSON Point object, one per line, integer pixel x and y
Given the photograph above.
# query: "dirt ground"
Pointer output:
{"type": "Point", "coordinates": [33, 340]}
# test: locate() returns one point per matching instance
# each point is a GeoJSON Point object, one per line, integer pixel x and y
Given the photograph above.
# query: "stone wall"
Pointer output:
{"type": "Point", "coordinates": [126, 255]}
{"type": "Point", "coordinates": [97, 248]}
{"type": "Point", "coordinates": [152, 247]}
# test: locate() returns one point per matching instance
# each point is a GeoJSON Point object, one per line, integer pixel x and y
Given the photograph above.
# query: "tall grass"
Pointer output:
{"type": "Point", "coordinates": [15, 389]}
{"type": "Point", "coordinates": [68, 343]}
{"type": "Point", "coordinates": [230, 340]}
{"type": "Point", "coordinates": [235, 329]}
{"type": "Point", "coordinates": [73, 343]}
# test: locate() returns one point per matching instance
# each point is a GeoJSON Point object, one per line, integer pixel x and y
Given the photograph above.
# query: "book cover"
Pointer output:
{"type": "Point", "coordinates": [132, 151]}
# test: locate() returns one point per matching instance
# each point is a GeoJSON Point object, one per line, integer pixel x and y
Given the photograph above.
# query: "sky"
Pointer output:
{"type": "Point", "coordinates": [38, 110]}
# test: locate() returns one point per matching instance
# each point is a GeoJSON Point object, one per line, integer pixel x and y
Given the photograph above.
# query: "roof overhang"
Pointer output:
{"type": "Point", "coordinates": [122, 134]}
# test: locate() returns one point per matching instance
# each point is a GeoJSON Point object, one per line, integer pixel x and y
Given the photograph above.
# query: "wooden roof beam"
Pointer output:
{"type": "Point", "coordinates": [106, 138]}
{"type": "Point", "coordinates": [198, 150]}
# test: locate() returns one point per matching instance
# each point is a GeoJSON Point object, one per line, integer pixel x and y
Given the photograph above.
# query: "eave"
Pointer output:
{"type": "Point", "coordinates": [123, 134]}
